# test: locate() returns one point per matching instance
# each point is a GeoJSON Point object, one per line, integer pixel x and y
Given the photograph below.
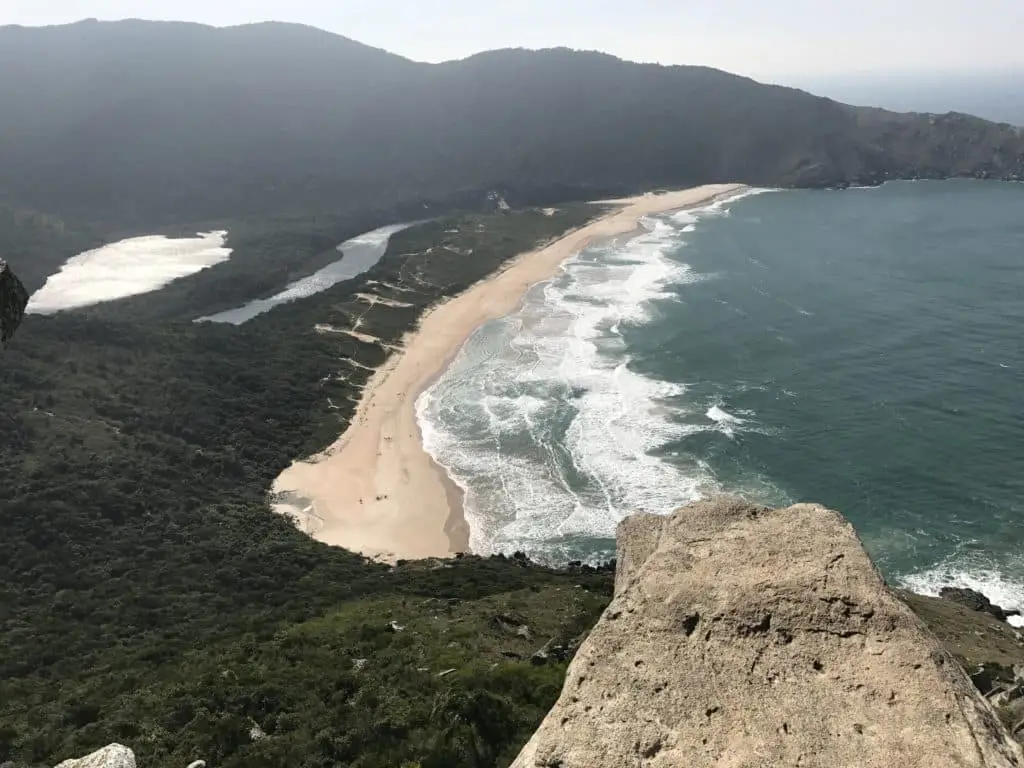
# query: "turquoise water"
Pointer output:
{"type": "Point", "coordinates": [863, 349]}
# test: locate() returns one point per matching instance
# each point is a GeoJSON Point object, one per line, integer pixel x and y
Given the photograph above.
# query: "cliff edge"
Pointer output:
{"type": "Point", "coordinates": [13, 299]}
{"type": "Point", "coordinates": [744, 636]}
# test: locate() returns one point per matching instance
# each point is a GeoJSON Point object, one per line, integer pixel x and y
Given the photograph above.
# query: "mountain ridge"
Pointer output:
{"type": "Point", "coordinates": [187, 123]}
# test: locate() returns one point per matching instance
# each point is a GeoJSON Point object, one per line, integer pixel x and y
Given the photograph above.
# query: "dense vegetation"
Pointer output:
{"type": "Point", "coordinates": [149, 596]}
{"type": "Point", "coordinates": [38, 243]}
{"type": "Point", "coordinates": [186, 123]}
{"type": "Point", "coordinates": [147, 593]}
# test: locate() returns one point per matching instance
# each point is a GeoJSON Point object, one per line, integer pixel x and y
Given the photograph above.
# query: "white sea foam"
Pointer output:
{"type": "Point", "coordinates": [978, 573]}
{"type": "Point", "coordinates": [726, 421]}
{"type": "Point", "coordinates": [722, 206]}
{"type": "Point", "coordinates": [126, 268]}
{"type": "Point", "coordinates": [544, 422]}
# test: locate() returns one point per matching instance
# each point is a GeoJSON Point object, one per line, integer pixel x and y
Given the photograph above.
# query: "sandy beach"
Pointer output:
{"type": "Point", "coordinates": [376, 490]}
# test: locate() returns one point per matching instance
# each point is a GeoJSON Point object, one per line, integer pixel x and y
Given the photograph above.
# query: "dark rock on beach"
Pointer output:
{"type": "Point", "coordinates": [976, 601]}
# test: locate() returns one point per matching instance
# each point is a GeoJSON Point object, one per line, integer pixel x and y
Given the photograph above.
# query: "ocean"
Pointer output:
{"type": "Point", "coordinates": [863, 349]}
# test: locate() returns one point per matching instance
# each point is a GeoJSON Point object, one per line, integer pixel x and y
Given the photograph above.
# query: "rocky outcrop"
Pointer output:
{"type": "Point", "coordinates": [111, 756]}
{"type": "Point", "coordinates": [744, 636]}
{"type": "Point", "coordinates": [13, 300]}
{"type": "Point", "coordinates": [990, 650]}
{"type": "Point", "coordinates": [976, 601]}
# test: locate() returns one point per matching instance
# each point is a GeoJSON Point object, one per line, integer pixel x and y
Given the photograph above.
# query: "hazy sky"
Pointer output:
{"type": "Point", "coordinates": [769, 39]}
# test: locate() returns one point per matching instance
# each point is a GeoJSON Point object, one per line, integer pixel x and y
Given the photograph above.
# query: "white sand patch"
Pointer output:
{"type": "Point", "coordinates": [372, 299]}
{"type": "Point", "coordinates": [127, 268]}
{"type": "Point", "coordinates": [364, 337]}
{"type": "Point", "coordinates": [357, 364]}
{"type": "Point", "coordinates": [389, 286]}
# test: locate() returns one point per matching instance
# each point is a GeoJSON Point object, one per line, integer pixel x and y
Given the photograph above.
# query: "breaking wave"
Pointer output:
{"type": "Point", "coordinates": [543, 421]}
{"type": "Point", "coordinates": [976, 572]}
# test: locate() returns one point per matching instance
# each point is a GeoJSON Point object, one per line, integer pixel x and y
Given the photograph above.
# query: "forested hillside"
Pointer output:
{"type": "Point", "coordinates": [185, 123]}
{"type": "Point", "coordinates": [148, 594]}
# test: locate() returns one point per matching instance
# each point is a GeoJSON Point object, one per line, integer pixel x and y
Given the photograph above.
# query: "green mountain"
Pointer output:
{"type": "Point", "coordinates": [148, 594]}
{"type": "Point", "coordinates": [136, 124]}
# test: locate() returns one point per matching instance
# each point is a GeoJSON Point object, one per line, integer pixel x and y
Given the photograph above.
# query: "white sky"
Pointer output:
{"type": "Point", "coordinates": [768, 39]}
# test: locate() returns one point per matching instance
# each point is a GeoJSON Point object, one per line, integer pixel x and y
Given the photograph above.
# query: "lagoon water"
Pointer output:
{"type": "Point", "coordinates": [863, 349]}
{"type": "Point", "coordinates": [357, 255]}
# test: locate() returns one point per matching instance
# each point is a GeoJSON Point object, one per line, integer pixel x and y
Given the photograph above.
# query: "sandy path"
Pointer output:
{"type": "Point", "coordinates": [376, 490]}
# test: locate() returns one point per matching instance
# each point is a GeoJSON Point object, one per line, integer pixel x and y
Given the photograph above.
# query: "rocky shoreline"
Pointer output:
{"type": "Point", "coordinates": [768, 637]}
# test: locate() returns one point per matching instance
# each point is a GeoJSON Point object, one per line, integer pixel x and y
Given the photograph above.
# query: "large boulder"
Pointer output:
{"type": "Point", "coordinates": [111, 756]}
{"type": "Point", "coordinates": [976, 601]}
{"type": "Point", "coordinates": [744, 636]}
{"type": "Point", "coordinates": [13, 300]}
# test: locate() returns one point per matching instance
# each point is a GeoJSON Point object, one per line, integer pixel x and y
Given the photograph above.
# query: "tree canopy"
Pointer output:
{"type": "Point", "coordinates": [186, 123]}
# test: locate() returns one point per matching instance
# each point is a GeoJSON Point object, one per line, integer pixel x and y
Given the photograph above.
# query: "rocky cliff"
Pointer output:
{"type": "Point", "coordinates": [13, 300]}
{"type": "Point", "coordinates": [744, 636]}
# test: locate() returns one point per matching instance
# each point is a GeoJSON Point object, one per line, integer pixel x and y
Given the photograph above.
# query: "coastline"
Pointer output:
{"type": "Point", "coordinates": [376, 490]}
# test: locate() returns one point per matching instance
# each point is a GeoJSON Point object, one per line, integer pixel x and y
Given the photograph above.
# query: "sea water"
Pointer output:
{"type": "Point", "coordinates": [863, 349]}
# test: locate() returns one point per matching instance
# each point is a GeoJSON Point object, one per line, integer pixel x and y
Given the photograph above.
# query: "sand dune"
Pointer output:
{"type": "Point", "coordinates": [126, 268]}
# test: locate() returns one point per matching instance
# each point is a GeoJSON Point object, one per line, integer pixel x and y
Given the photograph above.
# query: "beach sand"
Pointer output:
{"type": "Point", "coordinates": [376, 490]}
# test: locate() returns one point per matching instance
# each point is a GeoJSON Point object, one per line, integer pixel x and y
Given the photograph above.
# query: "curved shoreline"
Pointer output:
{"type": "Point", "coordinates": [376, 490]}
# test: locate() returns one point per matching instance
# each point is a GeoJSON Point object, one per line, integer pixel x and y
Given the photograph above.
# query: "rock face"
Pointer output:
{"type": "Point", "coordinates": [743, 636]}
{"type": "Point", "coordinates": [13, 299]}
{"type": "Point", "coordinates": [111, 756]}
{"type": "Point", "coordinates": [976, 601]}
